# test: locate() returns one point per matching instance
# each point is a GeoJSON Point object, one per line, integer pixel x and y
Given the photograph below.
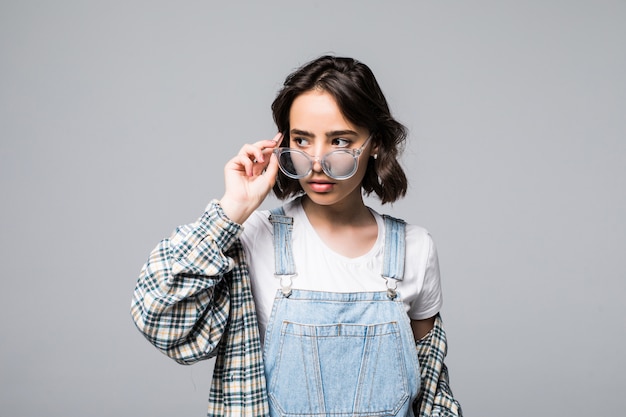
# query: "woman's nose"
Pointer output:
{"type": "Point", "coordinates": [317, 163]}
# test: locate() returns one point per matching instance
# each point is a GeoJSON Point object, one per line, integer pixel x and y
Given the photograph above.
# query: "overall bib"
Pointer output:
{"type": "Point", "coordinates": [340, 354]}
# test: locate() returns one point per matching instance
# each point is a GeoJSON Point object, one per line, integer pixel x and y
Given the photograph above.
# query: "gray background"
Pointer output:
{"type": "Point", "coordinates": [116, 118]}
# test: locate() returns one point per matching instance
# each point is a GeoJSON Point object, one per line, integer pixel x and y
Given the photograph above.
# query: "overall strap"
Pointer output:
{"type": "Point", "coordinates": [284, 266]}
{"type": "Point", "coordinates": [394, 255]}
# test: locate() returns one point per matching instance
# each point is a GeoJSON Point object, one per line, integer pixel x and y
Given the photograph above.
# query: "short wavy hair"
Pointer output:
{"type": "Point", "coordinates": [360, 99]}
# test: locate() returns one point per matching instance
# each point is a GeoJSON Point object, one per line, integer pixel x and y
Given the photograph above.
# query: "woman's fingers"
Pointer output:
{"type": "Point", "coordinates": [249, 177]}
{"type": "Point", "coordinates": [278, 138]}
{"type": "Point", "coordinates": [272, 168]}
{"type": "Point", "coordinates": [253, 157]}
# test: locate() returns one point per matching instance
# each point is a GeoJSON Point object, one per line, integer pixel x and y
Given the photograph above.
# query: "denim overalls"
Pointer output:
{"type": "Point", "coordinates": [340, 354]}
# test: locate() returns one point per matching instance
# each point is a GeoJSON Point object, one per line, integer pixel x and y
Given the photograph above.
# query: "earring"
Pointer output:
{"type": "Point", "coordinates": [375, 156]}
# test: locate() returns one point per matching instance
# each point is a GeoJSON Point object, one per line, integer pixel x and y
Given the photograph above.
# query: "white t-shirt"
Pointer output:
{"type": "Point", "coordinates": [319, 268]}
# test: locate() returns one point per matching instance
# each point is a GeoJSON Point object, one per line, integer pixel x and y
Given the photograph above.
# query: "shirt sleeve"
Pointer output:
{"type": "Point", "coordinates": [181, 300]}
{"type": "Point", "coordinates": [435, 398]}
{"type": "Point", "coordinates": [430, 298]}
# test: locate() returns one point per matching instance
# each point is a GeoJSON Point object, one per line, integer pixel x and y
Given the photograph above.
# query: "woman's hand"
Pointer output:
{"type": "Point", "coordinates": [248, 178]}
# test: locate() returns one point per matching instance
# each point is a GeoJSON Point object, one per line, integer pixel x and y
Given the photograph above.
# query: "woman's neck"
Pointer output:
{"type": "Point", "coordinates": [350, 231]}
{"type": "Point", "coordinates": [351, 213]}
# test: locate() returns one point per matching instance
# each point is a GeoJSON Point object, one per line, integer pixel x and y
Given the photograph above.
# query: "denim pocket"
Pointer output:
{"type": "Point", "coordinates": [339, 369]}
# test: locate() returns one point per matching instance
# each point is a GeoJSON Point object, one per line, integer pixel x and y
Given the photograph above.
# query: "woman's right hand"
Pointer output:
{"type": "Point", "coordinates": [248, 178]}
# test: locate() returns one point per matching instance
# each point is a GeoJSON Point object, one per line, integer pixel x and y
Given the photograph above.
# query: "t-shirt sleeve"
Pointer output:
{"type": "Point", "coordinates": [429, 299]}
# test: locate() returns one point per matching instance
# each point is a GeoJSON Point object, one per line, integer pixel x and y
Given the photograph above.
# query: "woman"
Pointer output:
{"type": "Point", "coordinates": [321, 306]}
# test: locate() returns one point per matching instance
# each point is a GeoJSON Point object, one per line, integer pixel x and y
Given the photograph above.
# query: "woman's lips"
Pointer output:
{"type": "Point", "coordinates": [321, 186]}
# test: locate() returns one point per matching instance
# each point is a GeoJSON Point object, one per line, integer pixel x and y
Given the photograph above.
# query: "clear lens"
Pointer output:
{"type": "Point", "coordinates": [339, 164]}
{"type": "Point", "coordinates": [296, 164]}
{"type": "Point", "coordinates": [301, 164]}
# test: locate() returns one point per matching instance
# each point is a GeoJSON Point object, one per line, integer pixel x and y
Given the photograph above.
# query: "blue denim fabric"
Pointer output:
{"type": "Point", "coordinates": [340, 354]}
{"type": "Point", "coordinates": [283, 253]}
{"type": "Point", "coordinates": [395, 248]}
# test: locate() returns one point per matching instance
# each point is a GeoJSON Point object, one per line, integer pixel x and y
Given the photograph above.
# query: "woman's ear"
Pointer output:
{"type": "Point", "coordinates": [374, 151]}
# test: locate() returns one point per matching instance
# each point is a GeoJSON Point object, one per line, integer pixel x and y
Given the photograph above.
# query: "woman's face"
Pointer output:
{"type": "Point", "coordinates": [317, 127]}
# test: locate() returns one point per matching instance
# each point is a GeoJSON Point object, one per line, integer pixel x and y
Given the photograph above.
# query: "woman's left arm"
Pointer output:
{"type": "Point", "coordinates": [422, 327]}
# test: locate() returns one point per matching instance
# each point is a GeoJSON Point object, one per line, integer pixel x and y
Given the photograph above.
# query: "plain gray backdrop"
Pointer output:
{"type": "Point", "coordinates": [117, 117]}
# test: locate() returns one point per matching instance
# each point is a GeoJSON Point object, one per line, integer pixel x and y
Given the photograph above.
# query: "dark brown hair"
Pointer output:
{"type": "Point", "coordinates": [358, 95]}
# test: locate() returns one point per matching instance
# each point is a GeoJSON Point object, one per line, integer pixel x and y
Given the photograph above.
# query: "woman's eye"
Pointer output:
{"type": "Point", "coordinates": [341, 142]}
{"type": "Point", "coordinates": [301, 142]}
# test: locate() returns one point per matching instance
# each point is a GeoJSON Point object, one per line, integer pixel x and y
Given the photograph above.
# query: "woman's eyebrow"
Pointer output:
{"type": "Point", "coordinates": [301, 133]}
{"type": "Point", "coordinates": [333, 133]}
{"type": "Point", "coordinates": [336, 133]}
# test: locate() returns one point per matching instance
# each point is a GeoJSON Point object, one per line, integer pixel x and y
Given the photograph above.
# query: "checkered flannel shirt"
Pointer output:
{"type": "Point", "coordinates": [193, 301]}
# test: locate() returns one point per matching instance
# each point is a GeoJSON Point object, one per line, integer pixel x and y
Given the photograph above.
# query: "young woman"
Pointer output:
{"type": "Point", "coordinates": [319, 307]}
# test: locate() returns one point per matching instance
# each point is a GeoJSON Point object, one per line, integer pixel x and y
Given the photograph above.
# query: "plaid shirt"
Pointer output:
{"type": "Point", "coordinates": [193, 301]}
